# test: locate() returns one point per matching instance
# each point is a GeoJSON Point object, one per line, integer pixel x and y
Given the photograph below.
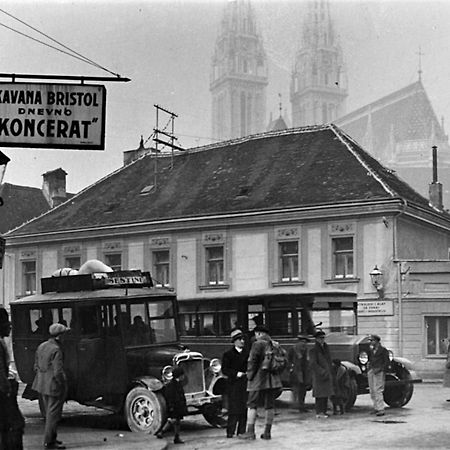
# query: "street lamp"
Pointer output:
{"type": "Point", "coordinates": [4, 160]}
{"type": "Point", "coordinates": [377, 280]}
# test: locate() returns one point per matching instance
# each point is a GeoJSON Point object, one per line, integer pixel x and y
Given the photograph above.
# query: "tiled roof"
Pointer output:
{"type": "Point", "coordinates": [21, 203]}
{"type": "Point", "coordinates": [407, 113]}
{"type": "Point", "coordinates": [275, 170]}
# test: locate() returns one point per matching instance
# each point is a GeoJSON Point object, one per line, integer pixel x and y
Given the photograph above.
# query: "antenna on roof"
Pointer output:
{"type": "Point", "coordinates": [170, 135]}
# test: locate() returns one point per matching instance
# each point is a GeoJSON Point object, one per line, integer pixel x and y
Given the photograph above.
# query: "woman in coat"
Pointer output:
{"type": "Point", "coordinates": [447, 367]}
{"type": "Point", "coordinates": [322, 374]}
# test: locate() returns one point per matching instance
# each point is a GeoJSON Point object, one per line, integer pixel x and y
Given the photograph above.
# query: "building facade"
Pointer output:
{"type": "Point", "coordinates": [238, 75]}
{"type": "Point", "coordinates": [304, 207]}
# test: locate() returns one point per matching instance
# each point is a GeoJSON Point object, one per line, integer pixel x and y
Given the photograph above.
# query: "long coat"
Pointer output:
{"type": "Point", "coordinates": [175, 399]}
{"type": "Point", "coordinates": [260, 379]}
{"type": "Point", "coordinates": [322, 375]}
{"type": "Point", "coordinates": [50, 377]}
{"type": "Point", "coordinates": [447, 370]}
{"type": "Point", "coordinates": [300, 372]}
{"type": "Point", "coordinates": [232, 363]}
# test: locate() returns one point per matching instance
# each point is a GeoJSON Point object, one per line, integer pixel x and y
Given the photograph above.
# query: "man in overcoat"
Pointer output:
{"type": "Point", "coordinates": [234, 366]}
{"type": "Point", "coordinates": [263, 386]}
{"type": "Point", "coordinates": [322, 374]}
{"type": "Point", "coordinates": [51, 383]}
{"type": "Point", "coordinates": [378, 363]}
{"type": "Point", "coordinates": [12, 422]}
{"type": "Point", "coordinates": [299, 371]}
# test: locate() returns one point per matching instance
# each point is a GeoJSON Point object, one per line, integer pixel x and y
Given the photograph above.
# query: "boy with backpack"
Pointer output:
{"type": "Point", "coordinates": [265, 363]}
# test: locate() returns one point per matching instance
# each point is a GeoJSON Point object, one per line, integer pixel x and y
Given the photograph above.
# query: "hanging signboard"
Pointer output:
{"type": "Point", "coordinates": [48, 115]}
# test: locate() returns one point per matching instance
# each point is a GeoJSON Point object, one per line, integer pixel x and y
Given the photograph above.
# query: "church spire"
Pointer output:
{"type": "Point", "coordinates": [318, 83]}
{"type": "Point", "coordinates": [239, 75]}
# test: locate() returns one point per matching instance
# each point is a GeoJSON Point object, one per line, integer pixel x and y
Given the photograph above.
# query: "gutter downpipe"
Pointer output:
{"type": "Point", "coordinates": [399, 279]}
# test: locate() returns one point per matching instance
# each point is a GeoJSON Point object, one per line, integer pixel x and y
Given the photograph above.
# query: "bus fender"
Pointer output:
{"type": "Point", "coordinates": [217, 385]}
{"type": "Point", "coordinates": [151, 383]}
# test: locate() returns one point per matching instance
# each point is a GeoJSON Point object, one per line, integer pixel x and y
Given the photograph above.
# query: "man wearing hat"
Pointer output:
{"type": "Point", "coordinates": [378, 363]}
{"type": "Point", "coordinates": [263, 386]}
{"type": "Point", "coordinates": [234, 366]}
{"type": "Point", "coordinates": [299, 371]}
{"type": "Point", "coordinates": [12, 422]}
{"type": "Point", "coordinates": [51, 382]}
{"type": "Point", "coordinates": [322, 374]}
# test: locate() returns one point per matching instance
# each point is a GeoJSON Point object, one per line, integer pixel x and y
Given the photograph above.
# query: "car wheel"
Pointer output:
{"type": "Point", "coordinates": [352, 394]}
{"type": "Point", "coordinates": [145, 410]}
{"type": "Point", "coordinates": [398, 395]}
{"type": "Point", "coordinates": [215, 415]}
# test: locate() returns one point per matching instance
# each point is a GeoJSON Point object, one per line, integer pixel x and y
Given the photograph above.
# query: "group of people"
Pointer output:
{"type": "Point", "coordinates": [251, 385]}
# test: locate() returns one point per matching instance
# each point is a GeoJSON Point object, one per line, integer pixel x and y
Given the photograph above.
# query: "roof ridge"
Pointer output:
{"type": "Point", "coordinates": [340, 134]}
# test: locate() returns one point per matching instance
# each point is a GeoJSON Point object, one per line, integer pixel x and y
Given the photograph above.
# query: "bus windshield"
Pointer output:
{"type": "Point", "coordinates": [146, 322]}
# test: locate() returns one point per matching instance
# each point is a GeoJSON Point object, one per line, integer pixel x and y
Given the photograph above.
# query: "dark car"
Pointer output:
{"type": "Point", "coordinates": [121, 347]}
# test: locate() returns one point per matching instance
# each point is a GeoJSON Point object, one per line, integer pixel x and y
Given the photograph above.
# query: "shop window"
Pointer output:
{"type": "Point", "coordinates": [437, 331]}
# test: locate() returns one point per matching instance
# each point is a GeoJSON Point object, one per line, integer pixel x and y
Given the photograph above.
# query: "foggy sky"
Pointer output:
{"type": "Point", "coordinates": [165, 47]}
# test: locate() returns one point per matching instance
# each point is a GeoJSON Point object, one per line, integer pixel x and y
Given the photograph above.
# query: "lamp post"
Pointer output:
{"type": "Point", "coordinates": [377, 280]}
{"type": "Point", "coordinates": [4, 160]}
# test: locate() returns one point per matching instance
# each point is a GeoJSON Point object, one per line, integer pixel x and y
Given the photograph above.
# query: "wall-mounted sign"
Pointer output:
{"type": "Point", "coordinates": [376, 308]}
{"type": "Point", "coordinates": [48, 115]}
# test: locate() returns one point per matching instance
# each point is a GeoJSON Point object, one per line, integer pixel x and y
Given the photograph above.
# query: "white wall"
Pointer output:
{"type": "Point", "coordinates": [250, 262]}
{"type": "Point", "coordinates": [186, 285]}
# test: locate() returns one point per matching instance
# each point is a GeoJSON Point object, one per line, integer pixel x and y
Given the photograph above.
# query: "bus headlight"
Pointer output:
{"type": "Point", "coordinates": [167, 374]}
{"type": "Point", "coordinates": [391, 355]}
{"type": "Point", "coordinates": [363, 358]}
{"type": "Point", "coordinates": [215, 365]}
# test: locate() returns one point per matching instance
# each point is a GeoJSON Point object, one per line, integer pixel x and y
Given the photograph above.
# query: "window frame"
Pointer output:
{"type": "Point", "coordinates": [220, 280]}
{"type": "Point", "coordinates": [334, 255]}
{"type": "Point", "coordinates": [25, 277]}
{"type": "Point", "coordinates": [166, 282]}
{"type": "Point", "coordinates": [290, 257]}
{"type": "Point", "coordinates": [439, 343]}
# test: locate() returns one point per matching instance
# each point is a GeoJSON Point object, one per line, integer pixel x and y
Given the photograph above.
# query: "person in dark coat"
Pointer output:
{"type": "Point", "coordinates": [234, 366]}
{"type": "Point", "coordinates": [378, 364]}
{"type": "Point", "coordinates": [341, 386]}
{"type": "Point", "coordinates": [12, 422]}
{"type": "Point", "coordinates": [176, 405]}
{"type": "Point", "coordinates": [263, 386]}
{"type": "Point", "coordinates": [299, 371]}
{"type": "Point", "coordinates": [51, 382]}
{"type": "Point", "coordinates": [322, 375]}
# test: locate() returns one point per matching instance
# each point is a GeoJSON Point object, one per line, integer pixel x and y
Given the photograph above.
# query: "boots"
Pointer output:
{"type": "Point", "coordinates": [266, 434]}
{"type": "Point", "coordinates": [250, 434]}
{"type": "Point", "coordinates": [177, 440]}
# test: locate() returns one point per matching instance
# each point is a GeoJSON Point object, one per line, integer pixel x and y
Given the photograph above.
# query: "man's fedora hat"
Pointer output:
{"type": "Point", "coordinates": [236, 334]}
{"type": "Point", "coordinates": [261, 329]}
{"type": "Point", "coordinates": [374, 337]}
{"type": "Point", "coordinates": [303, 337]}
{"type": "Point", "coordinates": [320, 333]}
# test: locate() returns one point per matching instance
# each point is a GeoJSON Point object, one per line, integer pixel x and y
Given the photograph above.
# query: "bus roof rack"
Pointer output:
{"type": "Point", "coordinates": [93, 281]}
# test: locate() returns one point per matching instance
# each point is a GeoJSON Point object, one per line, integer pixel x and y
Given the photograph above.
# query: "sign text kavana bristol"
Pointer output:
{"type": "Point", "coordinates": [48, 115]}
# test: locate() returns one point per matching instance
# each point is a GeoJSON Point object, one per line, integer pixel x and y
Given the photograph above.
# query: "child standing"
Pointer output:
{"type": "Point", "coordinates": [341, 385]}
{"type": "Point", "coordinates": [176, 405]}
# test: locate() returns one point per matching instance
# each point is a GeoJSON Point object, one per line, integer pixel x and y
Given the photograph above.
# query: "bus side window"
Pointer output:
{"type": "Point", "coordinates": [88, 320]}
{"type": "Point", "coordinates": [41, 319]}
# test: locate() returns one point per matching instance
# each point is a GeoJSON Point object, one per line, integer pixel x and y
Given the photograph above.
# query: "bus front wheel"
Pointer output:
{"type": "Point", "coordinates": [145, 411]}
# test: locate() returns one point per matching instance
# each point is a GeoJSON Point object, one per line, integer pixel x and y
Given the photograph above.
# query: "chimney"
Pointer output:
{"type": "Point", "coordinates": [435, 190]}
{"type": "Point", "coordinates": [54, 187]}
{"type": "Point", "coordinates": [131, 155]}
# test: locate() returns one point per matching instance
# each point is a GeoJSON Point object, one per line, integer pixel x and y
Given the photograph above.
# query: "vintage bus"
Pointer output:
{"type": "Point", "coordinates": [206, 323]}
{"type": "Point", "coordinates": [121, 348]}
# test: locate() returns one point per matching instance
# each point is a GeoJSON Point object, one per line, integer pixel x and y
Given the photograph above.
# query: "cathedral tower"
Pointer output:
{"type": "Point", "coordinates": [318, 83]}
{"type": "Point", "coordinates": [239, 75]}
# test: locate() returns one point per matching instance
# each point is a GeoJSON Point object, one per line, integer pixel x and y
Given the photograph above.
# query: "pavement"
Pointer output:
{"type": "Point", "coordinates": [86, 428]}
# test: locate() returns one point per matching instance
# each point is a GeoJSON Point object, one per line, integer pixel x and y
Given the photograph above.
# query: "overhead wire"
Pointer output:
{"type": "Point", "coordinates": [70, 52]}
